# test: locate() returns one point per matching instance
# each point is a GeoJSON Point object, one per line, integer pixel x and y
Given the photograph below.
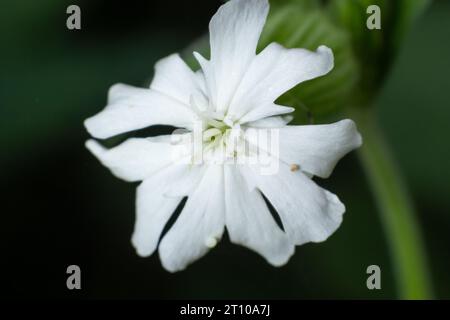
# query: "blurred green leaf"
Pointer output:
{"type": "Point", "coordinates": [408, 11]}
{"type": "Point", "coordinates": [375, 49]}
{"type": "Point", "coordinates": [304, 25]}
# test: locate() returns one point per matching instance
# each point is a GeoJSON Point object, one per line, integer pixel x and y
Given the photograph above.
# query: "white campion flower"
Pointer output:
{"type": "Point", "coordinates": [232, 94]}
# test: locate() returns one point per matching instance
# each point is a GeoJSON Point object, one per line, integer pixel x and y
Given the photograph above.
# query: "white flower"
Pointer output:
{"type": "Point", "coordinates": [232, 93]}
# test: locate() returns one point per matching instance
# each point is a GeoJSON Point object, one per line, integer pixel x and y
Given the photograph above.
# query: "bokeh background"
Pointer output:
{"type": "Point", "coordinates": [59, 206]}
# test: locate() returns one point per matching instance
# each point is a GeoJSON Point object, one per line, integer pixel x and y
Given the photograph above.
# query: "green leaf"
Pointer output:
{"type": "Point", "coordinates": [304, 25]}
{"type": "Point", "coordinates": [375, 49]}
{"type": "Point", "coordinates": [408, 12]}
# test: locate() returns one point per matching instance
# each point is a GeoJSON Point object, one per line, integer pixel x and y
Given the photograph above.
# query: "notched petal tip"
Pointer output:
{"type": "Point", "coordinates": [350, 125]}
{"type": "Point", "coordinates": [335, 205]}
{"type": "Point", "coordinates": [328, 58]}
{"type": "Point", "coordinates": [166, 59]}
{"type": "Point", "coordinates": [358, 138]}
{"type": "Point", "coordinates": [172, 268]}
{"type": "Point", "coordinates": [142, 250]}
{"type": "Point", "coordinates": [116, 87]}
{"type": "Point", "coordinates": [94, 129]}
{"type": "Point", "coordinates": [282, 260]}
{"type": "Point", "coordinates": [118, 91]}
{"type": "Point", "coordinates": [288, 118]}
{"type": "Point", "coordinates": [88, 126]}
{"type": "Point", "coordinates": [202, 61]}
{"type": "Point", "coordinates": [95, 148]}
{"type": "Point", "coordinates": [327, 236]}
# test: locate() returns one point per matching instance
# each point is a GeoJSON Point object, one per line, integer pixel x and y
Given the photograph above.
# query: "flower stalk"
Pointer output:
{"type": "Point", "coordinates": [397, 213]}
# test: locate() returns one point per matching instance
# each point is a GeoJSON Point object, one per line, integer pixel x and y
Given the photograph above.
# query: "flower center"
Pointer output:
{"type": "Point", "coordinates": [220, 135]}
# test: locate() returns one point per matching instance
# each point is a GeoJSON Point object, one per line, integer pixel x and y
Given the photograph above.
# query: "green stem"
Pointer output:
{"type": "Point", "coordinates": [396, 210]}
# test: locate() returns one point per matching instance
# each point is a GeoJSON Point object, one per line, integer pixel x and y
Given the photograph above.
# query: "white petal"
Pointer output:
{"type": "Point", "coordinates": [175, 79]}
{"type": "Point", "coordinates": [200, 224]}
{"type": "Point", "coordinates": [121, 91]}
{"type": "Point", "coordinates": [315, 149]}
{"type": "Point", "coordinates": [186, 181]}
{"type": "Point", "coordinates": [136, 158]}
{"type": "Point", "coordinates": [273, 72]}
{"type": "Point", "coordinates": [271, 122]}
{"type": "Point", "coordinates": [154, 209]}
{"type": "Point", "coordinates": [136, 108]}
{"type": "Point", "coordinates": [207, 73]}
{"type": "Point", "coordinates": [318, 148]}
{"type": "Point", "coordinates": [264, 111]}
{"type": "Point", "coordinates": [234, 34]}
{"type": "Point", "coordinates": [308, 212]}
{"type": "Point", "coordinates": [250, 223]}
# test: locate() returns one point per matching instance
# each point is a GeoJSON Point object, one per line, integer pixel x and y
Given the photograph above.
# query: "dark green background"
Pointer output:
{"type": "Point", "coordinates": [59, 206]}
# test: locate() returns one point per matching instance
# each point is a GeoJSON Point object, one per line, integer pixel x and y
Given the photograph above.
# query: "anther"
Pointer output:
{"type": "Point", "coordinates": [208, 134]}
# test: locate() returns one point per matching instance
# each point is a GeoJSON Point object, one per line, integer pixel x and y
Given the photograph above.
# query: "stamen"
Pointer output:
{"type": "Point", "coordinates": [294, 167]}
{"type": "Point", "coordinates": [216, 124]}
{"type": "Point", "coordinates": [210, 133]}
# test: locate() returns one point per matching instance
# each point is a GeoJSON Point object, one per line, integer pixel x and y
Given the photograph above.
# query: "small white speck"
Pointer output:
{"type": "Point", "coordinates": [211, 242]}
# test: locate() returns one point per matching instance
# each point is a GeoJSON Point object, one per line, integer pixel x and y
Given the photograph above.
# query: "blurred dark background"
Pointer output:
{"type": "Point", "coordinates": [59, 206]}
